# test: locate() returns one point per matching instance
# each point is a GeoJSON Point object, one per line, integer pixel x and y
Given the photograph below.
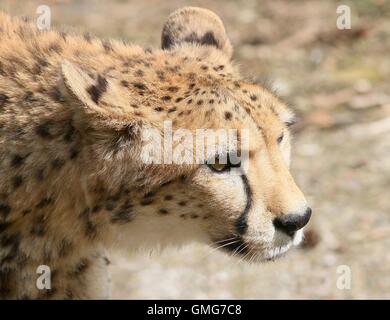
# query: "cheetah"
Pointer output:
{"type": "Point", "coordinates": [74, 184]}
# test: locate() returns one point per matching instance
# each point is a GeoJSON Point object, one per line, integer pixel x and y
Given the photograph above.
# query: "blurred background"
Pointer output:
{"type": "Point", "coordinates": [338, 81]}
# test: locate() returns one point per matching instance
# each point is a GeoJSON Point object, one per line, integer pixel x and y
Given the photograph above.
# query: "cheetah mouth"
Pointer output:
{"type": "Point", "coordinates": [236, 246]}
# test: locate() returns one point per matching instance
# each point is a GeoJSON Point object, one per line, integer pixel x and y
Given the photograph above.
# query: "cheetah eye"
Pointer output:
{"type": "Point", "coordinates": [218, 167]}
{"type": "Point", "coordinates": [280, 139]}
{"type": "Point", "coordinates": [290, 123]}
{"type": "Point", "coordinates": [222, 165]}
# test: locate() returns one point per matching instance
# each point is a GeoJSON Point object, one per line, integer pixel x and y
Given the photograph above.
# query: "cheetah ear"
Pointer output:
{"type": "Point", "coordinates": [101, 98]}
{"type": "Point", "coordinates": [195, 25]}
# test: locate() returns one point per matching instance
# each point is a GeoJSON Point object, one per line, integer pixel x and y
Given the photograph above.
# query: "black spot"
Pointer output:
{"type": "Point", "coordinates": [173, 89]}
{"type": "Point", "coordinates": [40, 175]}
{"type": "Point", "coordinates": [17, 181]}
{"type": "Point", "coordinates": [10, 240]}
{"type": "Point", "coordinates": [179, 99]}
{"type": "Point", "coordinates": [146, 202]}
{"type": "Point", "coordinates": [3, 99]}
{"type": "Point", "coordinates": [140, 86]}
{"type": "Point", "coordinates": [70, 135]}
{"type": "Point", "coordinates": [194, 216]}
{"type": "Point", "coordinates": [74, 152]}
{"type": "Point", "coordinates": [44, 202]}
{"type": "Point", "coordinates": [39, 227]}
{"type": "Point", "coordinates": [5, 282]}
{"type": "Point", "coordinates": [96, 91]}
{"type": "Point", "coordinates": [107, 261]}
{"type": "Point", "coordinates": [253, 97]}
{"type": "Point", "coordinates": [110, 205]}
{"type": "Point", "coordinates": [139, 73]}
{"type": "Point", "coordinates": [200, 102]}
{"type": "Point", "coordinates": [166, 98]}
{"type": "Point", "coordinates": [57, 163]}
{"type": "Point", "coordinates": [125, 83]}
{"type": "Point", "coordinates": [43, 130]}
{"type": "Point", "coordinates": [96, 209]}
{"type": "Point", "coordinates": [228, 115]}
{"type": "Point", "coordinates": [18, 160]}
{"type": "Point", "coordinates": [122, 216]}
{"type": "Point", "coordinates": [4, 226]}
{"type": "Point", "coordinates": [219, 68]}
{"type": "Point", "coordinates": [5, 209]}
{"type": "Point", "coordinates": [168, 197]}
{"type": "Point", "coordinates": [173, 109]}
{"type": "Point", "coordinates": [158, 109]}
{"type": "Point", "coordinates": [163, 211]}
{"type": "Point", "coordinates": [182, 203]}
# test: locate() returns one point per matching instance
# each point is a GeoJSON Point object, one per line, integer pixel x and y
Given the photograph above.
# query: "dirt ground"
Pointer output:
{"type": "Point", "coordinates": [338, 81]}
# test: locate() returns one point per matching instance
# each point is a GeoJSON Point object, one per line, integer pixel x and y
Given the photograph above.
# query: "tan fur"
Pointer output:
{"type": "Point", "coordinates": [72, 182]}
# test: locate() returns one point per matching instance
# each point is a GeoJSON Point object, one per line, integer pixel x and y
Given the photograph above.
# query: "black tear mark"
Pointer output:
{"type": "Point", "coordinates": [96, 91]}
{"type": "Point", "coordinates": [242, 221]}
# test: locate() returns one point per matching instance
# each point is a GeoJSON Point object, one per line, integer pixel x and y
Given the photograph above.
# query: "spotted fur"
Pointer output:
{"type": "Point", "coordinates": [72, 181]}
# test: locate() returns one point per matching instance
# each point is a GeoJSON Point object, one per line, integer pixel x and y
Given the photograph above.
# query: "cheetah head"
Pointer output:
{"type": "Point", "coordinates": [239, 197]}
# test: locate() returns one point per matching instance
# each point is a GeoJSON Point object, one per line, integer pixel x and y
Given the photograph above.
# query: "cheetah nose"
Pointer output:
{"type": "Point", "coordinates": [292, 222]}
